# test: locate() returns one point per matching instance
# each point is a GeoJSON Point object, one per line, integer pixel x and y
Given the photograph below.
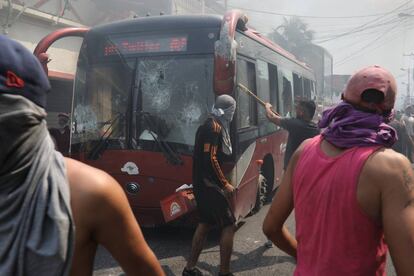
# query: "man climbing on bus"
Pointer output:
{"type": "Point", "coordinates": [351, 192]}
{"type": "Point", "coordinates": [44, 196]}
{"type": "Point", "coordinates": [211, 188]}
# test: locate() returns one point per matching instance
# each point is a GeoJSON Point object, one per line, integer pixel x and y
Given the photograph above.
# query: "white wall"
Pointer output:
{"type": "Point", "coordinates": [29, 31]}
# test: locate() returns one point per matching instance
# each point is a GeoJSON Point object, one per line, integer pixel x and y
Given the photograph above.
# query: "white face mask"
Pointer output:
{"type": "Point", "coordinates": [224, 114]}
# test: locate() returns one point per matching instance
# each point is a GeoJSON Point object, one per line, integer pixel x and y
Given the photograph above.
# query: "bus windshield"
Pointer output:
{"type": "Point", "coordinates": [175, 96]}
{"type": "Point", "coordinates": [158, 98]}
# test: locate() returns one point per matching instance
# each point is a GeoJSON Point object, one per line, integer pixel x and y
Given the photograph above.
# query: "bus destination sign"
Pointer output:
{"type": "Point", "coordinates": [144, 44]}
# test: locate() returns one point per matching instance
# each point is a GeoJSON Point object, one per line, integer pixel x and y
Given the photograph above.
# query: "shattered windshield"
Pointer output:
{"type": "Point", "coordinates": [172, 94]}
{"type": "Point", "coordinates": [175, 96]}
{"type": "Point", "coordinates": [100, 104]}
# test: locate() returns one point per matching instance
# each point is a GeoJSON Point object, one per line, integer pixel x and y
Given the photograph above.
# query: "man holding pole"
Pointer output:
{"type": "Point", "coordinates": [299, 128]}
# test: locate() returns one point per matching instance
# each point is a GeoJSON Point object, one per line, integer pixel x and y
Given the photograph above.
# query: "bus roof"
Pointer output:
{"type": "Point", "coordinates": [274, 46]}
{"type": "Point", "coordinates": [164, 22]}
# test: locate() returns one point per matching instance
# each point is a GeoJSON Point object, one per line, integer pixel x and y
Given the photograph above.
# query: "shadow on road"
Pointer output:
{"type": "Point", "coordinates": [165, 241]}
{"type": "Point", "coordinates": [249, 261]}
{"type": "Point", "coordinates": [171, 242]}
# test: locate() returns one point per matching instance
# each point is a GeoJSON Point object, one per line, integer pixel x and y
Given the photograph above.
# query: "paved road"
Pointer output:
{"type": "Point", "coordinates": [250, 257]}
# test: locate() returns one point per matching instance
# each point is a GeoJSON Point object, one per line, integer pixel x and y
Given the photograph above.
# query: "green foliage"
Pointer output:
{"type": "Point", "coordinates": [293, 35]}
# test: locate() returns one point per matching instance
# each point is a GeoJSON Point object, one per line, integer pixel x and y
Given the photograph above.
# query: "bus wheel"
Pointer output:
{"type": "Point", "coordinates": [261, 194]}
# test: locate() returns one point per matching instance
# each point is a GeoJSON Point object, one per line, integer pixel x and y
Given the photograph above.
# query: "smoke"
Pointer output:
{"type": "Point", "coordinates": [372, 32]}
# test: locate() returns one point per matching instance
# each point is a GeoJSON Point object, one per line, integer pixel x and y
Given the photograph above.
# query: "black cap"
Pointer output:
{"type": "Point", "coordinates": [21, 72]}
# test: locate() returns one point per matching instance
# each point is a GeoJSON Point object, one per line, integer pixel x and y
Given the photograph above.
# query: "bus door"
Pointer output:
{"type": "Point", "coordinates": [245, 178]}
{"type": "Point", "coordinates": [270, 136]}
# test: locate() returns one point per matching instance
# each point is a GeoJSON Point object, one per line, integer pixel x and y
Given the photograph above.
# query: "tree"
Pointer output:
{"type": "Point", "coordinates": [293, 35]}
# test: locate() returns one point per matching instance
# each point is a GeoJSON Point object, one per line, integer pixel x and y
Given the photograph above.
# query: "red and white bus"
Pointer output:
{"type": "Point", "coordinates": [143, 87]}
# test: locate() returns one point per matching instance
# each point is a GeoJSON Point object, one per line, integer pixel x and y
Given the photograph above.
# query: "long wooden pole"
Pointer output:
{"type": "Point", "coordinates": [250, 93]}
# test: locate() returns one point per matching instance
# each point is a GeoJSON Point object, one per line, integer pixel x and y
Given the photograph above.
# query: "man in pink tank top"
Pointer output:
{"type": "Point", "coordinates": [353, 195]}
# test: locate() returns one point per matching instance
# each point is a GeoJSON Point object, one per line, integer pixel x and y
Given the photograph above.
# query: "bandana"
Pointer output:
{"type": "Point", "coordinates": [36, 225]}
{"type": "Point", "coordinates": [347, 127]}
{"type": "Point", "coordinates": [224, 117]}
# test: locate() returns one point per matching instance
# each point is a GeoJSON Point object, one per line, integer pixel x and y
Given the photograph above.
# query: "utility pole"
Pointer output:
{"type": "Point", "coordinates": [225, 5]}
{"type": "Point", "coordinates": [409, 77]}
{"type": "Point", "coordinates": [408, 85]}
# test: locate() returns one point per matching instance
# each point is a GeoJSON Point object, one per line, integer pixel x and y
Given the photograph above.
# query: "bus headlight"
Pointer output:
{"type": "Point", "coordinates": [132, 188]}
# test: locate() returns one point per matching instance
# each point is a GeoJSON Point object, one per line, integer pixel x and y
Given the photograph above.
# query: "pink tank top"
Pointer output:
{"type": "Point", "coordinates": [335, 236]}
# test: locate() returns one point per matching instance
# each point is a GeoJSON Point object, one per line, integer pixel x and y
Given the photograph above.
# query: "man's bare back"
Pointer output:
{"type": "Point", "coordinates": [385, 192]}
{"type": "Point", "coordinates": [102, 216]}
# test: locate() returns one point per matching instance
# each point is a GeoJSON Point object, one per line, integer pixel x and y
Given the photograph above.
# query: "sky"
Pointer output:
{"type": "Point", "coordinates": [370, 31]}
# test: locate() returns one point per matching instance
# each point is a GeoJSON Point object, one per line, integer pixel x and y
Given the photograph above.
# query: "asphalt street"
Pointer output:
{"type": "Point", "coordinates": [250, 256]}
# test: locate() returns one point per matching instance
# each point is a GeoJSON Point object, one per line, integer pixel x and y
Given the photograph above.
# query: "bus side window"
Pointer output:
{"type": "Point", "coordinates": [263, 92]}
{"type": "Point", "coordinates": [262, 88]}
{"type": "Point", "coordinates": [287, 98]}
{"type": "Point", "coordinates": [274, 95]}
{"type": "Point", "coordinates": [313, 91]}
{"type": "Point", "coordinates": [246, 114]}
{"type": "Point", "coordinates": [297, 87]}
{"type": "Point", "coordinates": [307, 89]}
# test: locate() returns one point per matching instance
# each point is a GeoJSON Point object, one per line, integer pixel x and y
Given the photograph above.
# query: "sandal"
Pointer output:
{"type": "Point", "coordinates": [192, 272]}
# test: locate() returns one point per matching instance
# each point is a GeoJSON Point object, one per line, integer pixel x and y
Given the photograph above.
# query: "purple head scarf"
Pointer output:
{"type": "Point", "coordinates": [347, 127]}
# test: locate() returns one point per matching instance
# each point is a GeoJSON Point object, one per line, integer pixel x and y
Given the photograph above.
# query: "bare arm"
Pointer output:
{"type": "Point", "coordinates": [104, 216]}
{"type": "Point", "coordinates": [392, 175]}
{"type": "Point", "coordinates": [271, 115]}
{"type": "Point", "coordinates": [280, 210]}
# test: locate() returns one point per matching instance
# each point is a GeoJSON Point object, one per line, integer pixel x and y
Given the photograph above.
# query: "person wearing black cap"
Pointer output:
{"type": "Point", "coordinates": [211, 188]}
{"type": "Point", "coordinates": [44, 196]}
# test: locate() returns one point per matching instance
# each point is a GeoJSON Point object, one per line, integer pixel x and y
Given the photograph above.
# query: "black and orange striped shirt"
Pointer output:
{"type": "Point", "coordinates": [207, 156]}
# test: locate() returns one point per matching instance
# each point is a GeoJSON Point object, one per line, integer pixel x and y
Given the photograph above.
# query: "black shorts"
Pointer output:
{"type": "Point", "coordinates": [213, 207]}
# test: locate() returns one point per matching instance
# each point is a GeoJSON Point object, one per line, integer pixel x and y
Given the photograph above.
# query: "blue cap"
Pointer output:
{"type": "Point", "coordinates": [21, 72]}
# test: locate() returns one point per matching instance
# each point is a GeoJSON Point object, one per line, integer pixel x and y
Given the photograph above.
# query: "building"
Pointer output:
{"type": "Point", "coordinates": [338, 85]}
{"type": "Point", "coordinates": [28, 23]}
{"type": "Point", "coordinates": [320, 60]}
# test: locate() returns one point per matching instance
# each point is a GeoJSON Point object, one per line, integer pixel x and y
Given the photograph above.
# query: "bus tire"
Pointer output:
{"type": "Point", "coordinates": [267, 170]}
{"type": "Point", "coordinates": [261, 194]}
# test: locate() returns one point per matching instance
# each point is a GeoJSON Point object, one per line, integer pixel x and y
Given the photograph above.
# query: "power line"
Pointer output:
{"type": "Point", "coordinates": [365, 47]}
{"type": "Point", "coordinates": [307, 16]}
{"type": "Point", "coordinates": [327, 38]}
{"type": "Point", "coordinates": [361, 27]}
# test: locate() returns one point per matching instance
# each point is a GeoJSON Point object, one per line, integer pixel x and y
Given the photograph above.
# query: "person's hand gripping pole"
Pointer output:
{"type": "Point", "coordinates": [270, 113]}
{"type": "Point", "coordinates": [260, 101]}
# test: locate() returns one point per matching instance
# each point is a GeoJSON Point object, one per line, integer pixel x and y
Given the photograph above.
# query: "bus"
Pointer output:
{"type": "Point", "coordinates": [142, 88]}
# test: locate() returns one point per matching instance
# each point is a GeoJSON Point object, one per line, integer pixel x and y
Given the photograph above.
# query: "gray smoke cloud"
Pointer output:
{"type": "Point", "coordinates": [383, 38]}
